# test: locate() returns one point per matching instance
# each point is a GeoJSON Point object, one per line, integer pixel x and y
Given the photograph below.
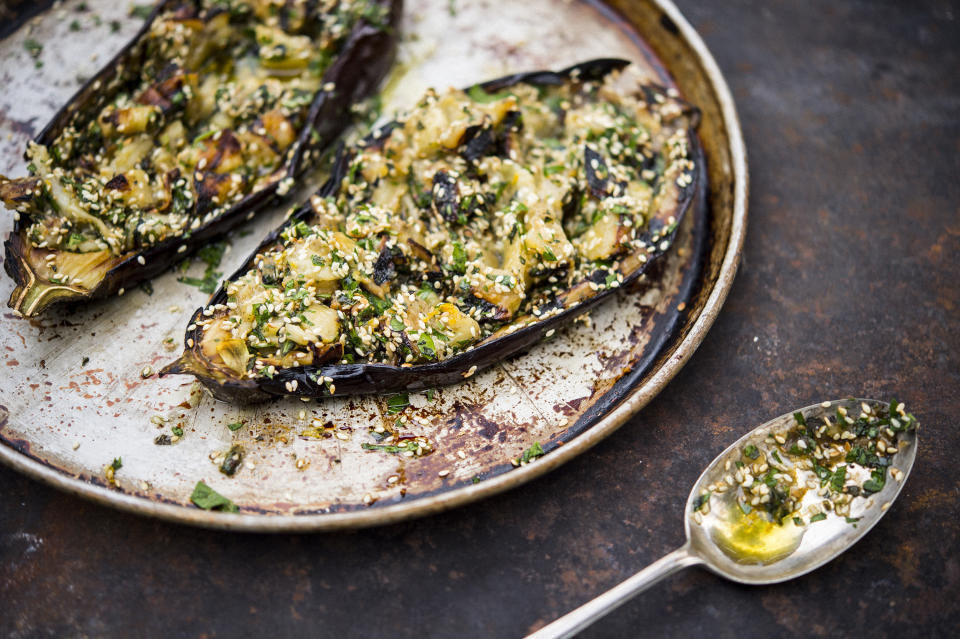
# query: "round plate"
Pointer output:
{"type": "Point", "coordinates": [73, 396]}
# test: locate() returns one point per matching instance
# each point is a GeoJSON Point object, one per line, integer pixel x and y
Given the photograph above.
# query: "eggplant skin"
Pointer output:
{"type": "Point", "coordinates": [366, 57]}
{"type": "Point", "coordinates": [319, 380]}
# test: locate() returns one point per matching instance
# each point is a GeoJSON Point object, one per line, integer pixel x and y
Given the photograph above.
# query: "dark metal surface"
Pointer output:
{"type": "Point", "coordinates": [849, 286]}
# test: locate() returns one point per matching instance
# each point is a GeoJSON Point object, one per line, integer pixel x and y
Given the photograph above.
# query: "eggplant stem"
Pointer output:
{"type": "Point", "coordinates": [32, 297]}
{"type": "Point", "coordinates": [189, 363]}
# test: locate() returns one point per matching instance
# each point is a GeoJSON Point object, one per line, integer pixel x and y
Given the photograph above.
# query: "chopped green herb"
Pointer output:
{"type": "Point", "coordinates": [207, 284]}
{"type": "Point", "coordinates": [387, 448]}
{"type": "Point", "coordinates": [838, 479]}
{"type": "Point", "coordinates": [818, 517]}
{"type": "Point", "coordinates": [751, 451]}
{"type": "Point", "coordinates": [33, 47]}
{"type": "Point", "coordinates": [232, 461]}
{"type": "Point", "coordinates": [176, 430]}
{"type": "Point", "coordinates": [208, 499]}
{"type": "Point", "coordinates": [397, 403]}
{"type": "Point", "coordinates": [701, 500]}
{"type": "Point", "coordinates": [211, 255]}
{"type": "Point", "coordinates": [141, 11]}
{"type": "Point", "coordinates": [235, 426]}
{"type": "Point", "coordinates": [459, 258]}
{"type": "Point", "coordinates": [117, 464]}
{"type": "Point", "coordinates": [878, 479]}
{"type": "Point", "coordinates": [478, 94]}
{"type": "Point", "coordinates": [532, 453]}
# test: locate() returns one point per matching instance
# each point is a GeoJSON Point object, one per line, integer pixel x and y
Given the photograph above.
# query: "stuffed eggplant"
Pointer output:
{"type": "Point", "coordinates": [455, 237]}
{"type": "Point", "coordinates": [206, 116]}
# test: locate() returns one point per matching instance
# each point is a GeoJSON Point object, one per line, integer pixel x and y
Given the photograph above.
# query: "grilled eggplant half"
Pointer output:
{"type": "Point", "coordinates": [206, 116]}
{"type": "Point", "coordinates": [455, 237]}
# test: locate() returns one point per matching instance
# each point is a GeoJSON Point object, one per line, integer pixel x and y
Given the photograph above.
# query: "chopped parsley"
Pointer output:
{"type": "Point", "coordinates": [532, 453]}
{"type": "Point", "coordinates": [701, 500]}
{"type": "Point", "coordinates": [478, 94]}
{"type": "Point", "coordinates": [211, 255]}
{"type": "Point", "coordinates": [396, 403]}
{"type": "Point", "coordinates": [33, 47]}
{"type": "Point", "coordinates": [141, 11]}
{"type": "Point", "coordinates": [208, 499]}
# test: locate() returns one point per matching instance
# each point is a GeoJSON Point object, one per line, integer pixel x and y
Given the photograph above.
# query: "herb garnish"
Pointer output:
{"type": "Point", "coordinates": [141, 11]}
{"type": "Point", "coordinates": [701, 500]}
{"type": "Point", "coordinates": [478, 94]}
{"type": "Point", "coordinates": [208, 499]}
{"type": "Point", "coordinates": [232, 461]}
{"type": "Point", "coordinates": [211, 255]}
{"type": "Point", "coordinates": [397, 403]}
{"type": "Point", "coordinates": [532, 453]}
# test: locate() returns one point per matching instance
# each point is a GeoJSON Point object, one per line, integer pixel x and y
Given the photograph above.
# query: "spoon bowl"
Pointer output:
{"type": "Point", "coordinates": [819, 542]}
{"type": "Point", "coordinates": [821, 509]}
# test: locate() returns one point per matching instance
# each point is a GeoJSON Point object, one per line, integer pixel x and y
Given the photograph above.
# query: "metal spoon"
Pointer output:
{"type": "Point", "coordinates": [795, 551]}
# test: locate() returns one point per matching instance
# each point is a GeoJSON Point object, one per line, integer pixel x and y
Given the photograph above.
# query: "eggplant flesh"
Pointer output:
{"type": "Point", "coordinates": [455, 237]}
{"type": "Point", "coordinates": [204, 118]}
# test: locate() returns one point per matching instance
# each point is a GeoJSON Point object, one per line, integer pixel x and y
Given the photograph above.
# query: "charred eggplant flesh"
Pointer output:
{"type": "Point", "coordinates": [455, 236]}
{"type": "Point", "coordinates": [208, 113]}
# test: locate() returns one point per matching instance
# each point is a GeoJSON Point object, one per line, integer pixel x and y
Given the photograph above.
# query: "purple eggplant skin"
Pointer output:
{"type": "Point", "coordinates": [357, 379]}
{"type": "Point", "coordinates": [367, 56]}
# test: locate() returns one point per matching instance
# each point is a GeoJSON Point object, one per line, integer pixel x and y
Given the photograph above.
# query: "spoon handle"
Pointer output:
{"type": "Point", "coordinates": [576, 620]}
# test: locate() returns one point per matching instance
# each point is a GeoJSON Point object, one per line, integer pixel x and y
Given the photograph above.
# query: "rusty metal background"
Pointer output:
{"type": "Point", "coordinates": [75, 398]}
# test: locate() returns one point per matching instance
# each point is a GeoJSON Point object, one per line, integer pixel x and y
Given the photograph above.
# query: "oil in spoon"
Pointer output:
{"type": "Point", "coordinates": [767, 493]}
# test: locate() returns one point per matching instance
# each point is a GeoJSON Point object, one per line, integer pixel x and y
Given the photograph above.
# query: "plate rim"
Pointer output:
{"type": "Point", "coordinates": [432, 504]}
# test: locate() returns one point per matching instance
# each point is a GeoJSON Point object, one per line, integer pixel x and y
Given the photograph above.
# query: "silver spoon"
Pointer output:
{"type": "Point", "coordinates": [746, 547]}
